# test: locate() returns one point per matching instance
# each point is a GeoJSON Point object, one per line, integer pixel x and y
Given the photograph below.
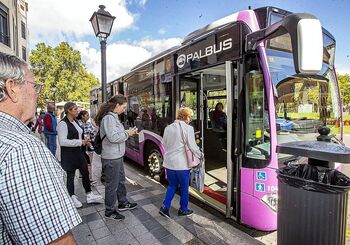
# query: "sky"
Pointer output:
{"type": "Point", "coordinates": [144, 28]}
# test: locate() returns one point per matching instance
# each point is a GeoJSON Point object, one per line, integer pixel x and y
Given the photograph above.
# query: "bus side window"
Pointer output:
{"type": "Point", "coordinates": [161, 112]}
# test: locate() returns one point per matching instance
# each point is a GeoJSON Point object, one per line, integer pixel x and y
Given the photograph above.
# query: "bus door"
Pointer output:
{"type": "Point", "coordinates": [206, 93]}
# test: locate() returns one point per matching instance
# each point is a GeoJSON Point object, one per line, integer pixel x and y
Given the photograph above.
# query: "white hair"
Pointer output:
{"type": "Point", "coordinates": [11, 67]}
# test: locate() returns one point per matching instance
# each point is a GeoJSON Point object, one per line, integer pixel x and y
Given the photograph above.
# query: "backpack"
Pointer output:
{"type": "Point", "coordinates": [97, 143]}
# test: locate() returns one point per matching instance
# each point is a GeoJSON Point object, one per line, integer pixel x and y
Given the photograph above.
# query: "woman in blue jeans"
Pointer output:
{"type": "Point", "coordinates": [175, 160]}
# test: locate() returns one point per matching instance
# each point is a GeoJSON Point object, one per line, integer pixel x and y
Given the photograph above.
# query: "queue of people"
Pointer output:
{"type": "Point", "coordinates": [27, 165]}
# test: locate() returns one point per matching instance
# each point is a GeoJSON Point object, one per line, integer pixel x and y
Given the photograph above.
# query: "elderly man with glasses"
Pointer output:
{"type": "Point", "coordinates": [34, 203]}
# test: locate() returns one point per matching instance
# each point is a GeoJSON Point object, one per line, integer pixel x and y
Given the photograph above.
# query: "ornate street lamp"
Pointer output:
{"type": "Point", "coordinates": [102, 22]}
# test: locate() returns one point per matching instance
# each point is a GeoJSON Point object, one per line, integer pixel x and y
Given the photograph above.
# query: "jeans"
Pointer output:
{"type": "Point", "coordinates": [177, 178]}
{"type": "Point", "coordinates": [51, 143]}
{"type": "Point", "coordinates": [115, 183]}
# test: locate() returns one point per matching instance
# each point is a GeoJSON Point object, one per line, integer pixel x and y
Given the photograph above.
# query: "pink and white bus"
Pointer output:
{"type": "Point", "coordinates": [273, 72]}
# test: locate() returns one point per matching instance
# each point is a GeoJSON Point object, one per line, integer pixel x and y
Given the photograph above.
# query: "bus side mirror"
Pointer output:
{"type": "Point", "coordinates": [305, 31]}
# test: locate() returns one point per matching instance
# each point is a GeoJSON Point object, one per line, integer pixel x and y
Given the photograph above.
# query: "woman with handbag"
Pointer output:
{"type": "Point", "coordinates": [179, 138]}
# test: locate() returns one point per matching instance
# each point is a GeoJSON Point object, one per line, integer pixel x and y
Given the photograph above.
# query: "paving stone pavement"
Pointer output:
{"type": "Point", "coordinates": [144, 225]}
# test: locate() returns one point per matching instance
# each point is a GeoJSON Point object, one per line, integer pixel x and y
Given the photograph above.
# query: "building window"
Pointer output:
{"type": "Point", "coordinates": [24, 53]}
{"type": "Point", "coordinates": [4, 30]}
{"type": "Point", "coordinates": [23, 29]}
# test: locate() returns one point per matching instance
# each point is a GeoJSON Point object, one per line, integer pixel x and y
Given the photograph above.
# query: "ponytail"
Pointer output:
{"type": "Point", "coordinates": [108, 107]}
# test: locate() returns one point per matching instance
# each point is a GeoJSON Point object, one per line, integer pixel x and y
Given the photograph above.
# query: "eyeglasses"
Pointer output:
{"type": "Point", "coordinates": [37, 86]}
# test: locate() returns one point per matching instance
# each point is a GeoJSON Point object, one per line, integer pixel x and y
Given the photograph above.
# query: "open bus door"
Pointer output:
{"type": "Point", "coordinates": [204, 91]}
{"type": "Point", "coordinates": [234, 115]}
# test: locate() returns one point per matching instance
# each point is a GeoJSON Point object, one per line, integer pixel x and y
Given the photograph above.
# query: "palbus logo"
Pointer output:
{"type": "Point", "coordinates": [181, 60]}
{"type": "Point", "coordinates": [205, 52]}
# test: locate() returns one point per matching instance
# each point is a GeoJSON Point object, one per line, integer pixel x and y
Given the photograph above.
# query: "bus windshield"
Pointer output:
{"type": "Point", "coordinates": [303, 103]}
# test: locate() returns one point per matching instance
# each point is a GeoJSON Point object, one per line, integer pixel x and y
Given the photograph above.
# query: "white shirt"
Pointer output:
{"type": "Point", "coordinates": [175, 156]}
{"type": "Point", "coordinates": [62, 132]}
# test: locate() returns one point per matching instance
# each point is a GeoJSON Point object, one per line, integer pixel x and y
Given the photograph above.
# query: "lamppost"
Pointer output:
{"type": "Point", "coordinates": [102, 22]}
{"type": "Point", "coordinates": [54, 90]}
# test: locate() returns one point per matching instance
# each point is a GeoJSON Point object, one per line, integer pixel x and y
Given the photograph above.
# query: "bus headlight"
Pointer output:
{"type": "Point", "coordinates": [271, 201]}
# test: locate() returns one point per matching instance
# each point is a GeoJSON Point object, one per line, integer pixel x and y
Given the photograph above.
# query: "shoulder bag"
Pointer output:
{"type": "Point", "coordinates": [192, 160]}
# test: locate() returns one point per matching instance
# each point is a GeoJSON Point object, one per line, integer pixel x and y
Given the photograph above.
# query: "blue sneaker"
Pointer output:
{"type": "Point", "coordinates": [164, 212]}
{"type": "Point", "coordinates": [189, 212]}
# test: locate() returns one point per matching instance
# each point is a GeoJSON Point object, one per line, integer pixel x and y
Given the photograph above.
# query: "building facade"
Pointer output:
{"type": "Point", "coordinates": [14, 28]}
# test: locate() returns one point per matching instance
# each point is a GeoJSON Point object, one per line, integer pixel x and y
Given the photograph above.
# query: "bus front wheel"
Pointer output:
{"type": "Point", "coordinates": [154, 162]}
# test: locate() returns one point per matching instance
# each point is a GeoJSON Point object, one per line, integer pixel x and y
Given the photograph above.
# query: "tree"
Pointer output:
{"type": "Point", "coordinates": [61, 66]}
{"type": "Point", "coordinates": [344, 85]}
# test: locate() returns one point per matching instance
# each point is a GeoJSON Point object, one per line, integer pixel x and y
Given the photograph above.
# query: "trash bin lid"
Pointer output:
{"type": "Point", "coordinates": [320, 150]}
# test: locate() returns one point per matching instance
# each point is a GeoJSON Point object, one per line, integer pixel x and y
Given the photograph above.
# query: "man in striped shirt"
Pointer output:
{"type": "Point", "coordinates": [34, 203]}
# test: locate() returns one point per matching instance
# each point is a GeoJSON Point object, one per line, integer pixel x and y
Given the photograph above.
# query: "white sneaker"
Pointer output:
{"type": "Point", "coordinates": [76, 202]}
{"type": "Point", "coordinates": [93, 198]}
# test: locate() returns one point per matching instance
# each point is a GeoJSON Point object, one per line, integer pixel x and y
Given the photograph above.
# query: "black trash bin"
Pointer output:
{"type": "Point", "coordinates": [312, 205]}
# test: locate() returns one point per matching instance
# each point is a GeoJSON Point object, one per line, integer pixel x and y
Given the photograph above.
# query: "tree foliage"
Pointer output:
{"type": "Point", "coordinates": [344, 85]}
{"type": "Point", "coordinates": [62, 67]}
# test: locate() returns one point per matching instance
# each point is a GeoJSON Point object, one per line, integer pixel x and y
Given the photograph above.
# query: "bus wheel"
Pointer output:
{"type": "Point", "coordinates": [154, 162]}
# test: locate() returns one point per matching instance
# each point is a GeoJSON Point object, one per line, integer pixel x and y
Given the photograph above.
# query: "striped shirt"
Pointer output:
{"type": "Point", "coordinates": [35, 207]}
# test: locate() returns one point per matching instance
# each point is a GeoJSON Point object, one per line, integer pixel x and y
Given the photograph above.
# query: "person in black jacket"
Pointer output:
{"type": "Point", "coordinates": [71, 139]}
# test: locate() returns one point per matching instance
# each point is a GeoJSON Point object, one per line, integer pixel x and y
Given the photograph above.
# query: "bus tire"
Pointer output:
{"type": "Point", "coordinates": [154, 162]}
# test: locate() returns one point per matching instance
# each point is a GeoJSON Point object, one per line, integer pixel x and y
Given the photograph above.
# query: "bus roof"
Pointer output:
{"type": "Point", "coordinates": [192, 37]}
{"type": "Point", "coordinates": [209, 28]}
{"type": "Point", "coordinates": [162, 54]}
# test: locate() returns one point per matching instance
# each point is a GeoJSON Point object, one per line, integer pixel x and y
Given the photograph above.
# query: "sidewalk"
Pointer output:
{"type": "Point", "coordinates": [144, 225]}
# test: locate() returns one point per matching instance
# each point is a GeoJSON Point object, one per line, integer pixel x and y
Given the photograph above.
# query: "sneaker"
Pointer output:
{"type": "Point", "coordinates": [93, 198]}
{"type": "Point", "coordinates": [189, 212]}
{"type": "Point", "coordinates": [127, 206]}
{"type": "Point", "coordinates": [164, 212]}
{"type": "Point", "coordinates": [115, 216]}
{"type": "Point", "coordinates": [76, 202]}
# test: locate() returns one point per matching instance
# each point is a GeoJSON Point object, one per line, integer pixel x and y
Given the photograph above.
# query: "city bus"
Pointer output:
{"type": "Point", "coordinates": [273, 73]}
